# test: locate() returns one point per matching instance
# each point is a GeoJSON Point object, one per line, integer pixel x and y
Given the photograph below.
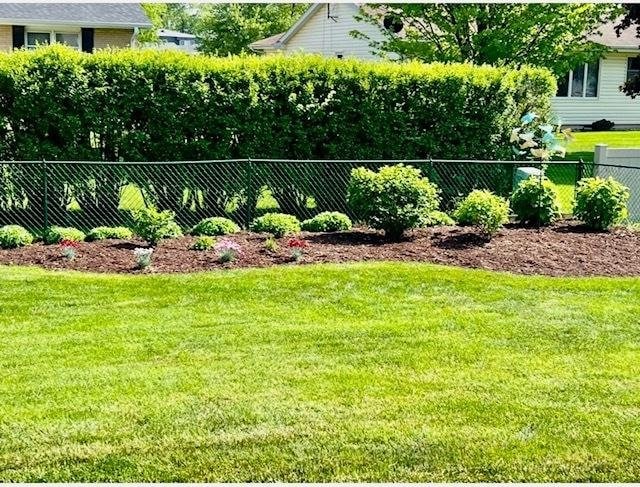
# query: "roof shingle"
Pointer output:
{"type": "Point", "coordinates": [87, 14]}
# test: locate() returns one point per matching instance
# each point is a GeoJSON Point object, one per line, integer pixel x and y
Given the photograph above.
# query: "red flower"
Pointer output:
{"type": "Point", "coordinates": [297, 243]}
{"type": "Point", "coordinates": [70, 243]}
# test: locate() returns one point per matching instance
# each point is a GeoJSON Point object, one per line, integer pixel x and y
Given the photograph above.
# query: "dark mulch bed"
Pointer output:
{"type": "Point", "coordinates": [561, 250]}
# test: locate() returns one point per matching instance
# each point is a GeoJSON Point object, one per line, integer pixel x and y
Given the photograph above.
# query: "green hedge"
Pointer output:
{"type": "Point", "coordinates": [128, 105]}
{"type": "Point", "coordinates": [148, 106]}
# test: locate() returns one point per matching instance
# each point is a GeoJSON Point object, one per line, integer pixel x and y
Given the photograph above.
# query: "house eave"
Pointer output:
{"type": "Point", "coordinates": [76, 23]}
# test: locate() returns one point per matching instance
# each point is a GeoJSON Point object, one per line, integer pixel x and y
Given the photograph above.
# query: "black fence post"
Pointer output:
{"type": "Point", "coordinates": [580, 171]}
{"type": "Point", "coordinates": [45, 196]}
{"type": "Point", "coordinates": [251, 197]}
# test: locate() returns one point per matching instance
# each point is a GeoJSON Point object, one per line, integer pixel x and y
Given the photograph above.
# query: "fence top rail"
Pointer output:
{"type": "Point", "coordinates": [284, 161]}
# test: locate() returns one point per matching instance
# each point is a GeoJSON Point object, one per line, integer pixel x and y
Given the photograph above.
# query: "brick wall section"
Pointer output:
{"type": "Point", "coordinates": [6, 38]}
{"type": "Point", "coordinates": [104, 38]}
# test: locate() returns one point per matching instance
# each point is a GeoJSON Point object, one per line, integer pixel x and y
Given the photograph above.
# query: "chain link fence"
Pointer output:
{"type": "Point", "coordinates": [38, 194]}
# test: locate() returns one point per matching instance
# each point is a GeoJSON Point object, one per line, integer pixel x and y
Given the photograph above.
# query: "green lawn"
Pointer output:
{"type": "Point", "coordinates": [584, 143]}
{"type": "Point", "coordinates": [356, 372]}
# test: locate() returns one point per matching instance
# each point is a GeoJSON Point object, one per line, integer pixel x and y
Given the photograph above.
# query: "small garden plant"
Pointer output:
{"type": "Point", "coordinates": [393, 199]}
{"type": "Point", "coordinates": [215, 226]}
{"type": "Point", "coordinates": [601, 203]}
{"type": "Point", "coordinates": [484, 210]}
{"type": "Point", "coordinates": [69, 249]}
{"type": "Point", "coordinates": [436, 219]}
{"type": "Point", "coordinates": [328, 221]}
{"type": "Point", "coordinates": [297, 246]}
{"type": "Point", "coordinates": [228, 250]}
{"type": "Point", "coordinates": [204, 242]}
{"type": "Point", "coordinates": [14, 236]}
{"type": "Point", "coordinates": [152, 225]}
{"type": "Point", "coordinates": [143, 257]}
{"type": "Point", "coordinates": [539, 140]}
{"type": "Point", "coordinates": [56, 235]}
{"type": "Point", "coordinates": [277, 224]}
{"type": "Point", "coordinates": [271, 244]}
{"type": "Point", "coordinates": [107, 233]}
{"type": "Point", "coordinates": [535, 201]}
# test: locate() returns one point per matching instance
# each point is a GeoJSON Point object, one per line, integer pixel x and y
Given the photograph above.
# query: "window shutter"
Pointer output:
{"type": "Point", "coordinates": [87, 40]}
{"type": "Point", "coordinates": [18, 36]}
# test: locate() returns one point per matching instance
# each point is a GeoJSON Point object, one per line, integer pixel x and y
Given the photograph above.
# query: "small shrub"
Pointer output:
{"type": "Point", "coordinates": [297, 246]}
{"type": "Point", "coordinates": [484, 210]}
{"type": "Point", "coordinates": [602, 125]}
{"type": "Point", "coordinates": [57, 234]}
{"type": "Point", "coordinates": [228, 250]}
{"type": "Point", "coordinates": [328, 221]}
{"type": "Point", "coordinates": [393, 199]}
{"type": "Point", "coordinates": [105, 233]}
{"type": "Point", "coordinates": [13, 236]}
{"type": "Point", "coordinates": [277, 224]}
{"type": "Point", "coordinates": [437, 219]}
{"type": "Point", "coordinates": [69, 249]}
{"type": "Point", "coordinates": [204, 242]}
{"type": "Point", "coordinates": [536, 202]}
{"type": "Point", "coordinates": [601, 203]}
{"type": "Point", "coordinates": [143, 257]}
{"type": "Point", "coordinates": [215, 226]}
{"type": "Point", "coordinates": [152, 225]}
{"type": "Point", "coordinates": [271, 244]}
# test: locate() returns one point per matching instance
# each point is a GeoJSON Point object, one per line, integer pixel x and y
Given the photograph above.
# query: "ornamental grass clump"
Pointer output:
{"type": "Point", "coordinates": [484, 210]}
{"type": "Point", "coordinates": [601, 203]}
{"type": "Point", "coordinates": [228, 250]}
{"type": "Point", "coordinates": [393, 199]}
{"type": "Point", "coordinates": [271, 244]}
{"type": "Point", "coordinates": [205, 242]}
{"type": "Point", "coordinates": [14, 236]}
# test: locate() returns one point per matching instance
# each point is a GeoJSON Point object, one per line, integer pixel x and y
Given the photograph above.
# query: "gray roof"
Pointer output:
{"type": "Point", "coordinates": [174, 33]}
{"type": "Point", "coordinates": [607, 36]}
{"type": "Point", "coordinates": [78, 14]}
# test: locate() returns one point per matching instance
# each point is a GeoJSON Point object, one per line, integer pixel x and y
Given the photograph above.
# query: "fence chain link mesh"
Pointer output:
{"type": "Point", "coordinates": [37, 194]}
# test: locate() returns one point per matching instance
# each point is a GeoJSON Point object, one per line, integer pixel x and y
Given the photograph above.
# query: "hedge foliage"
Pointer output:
{"type": "Point", "coordinates": [128, 105]}
{"type": "Point", "coordinates": [131, 105]}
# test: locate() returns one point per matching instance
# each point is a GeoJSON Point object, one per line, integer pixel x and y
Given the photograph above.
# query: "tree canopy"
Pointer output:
{"type": "Point", "coordinates": [229, 28]}
{"type": "Point", "coordinates": [631, 18]}
{"type": "Point", "coordinates": [551, 35]}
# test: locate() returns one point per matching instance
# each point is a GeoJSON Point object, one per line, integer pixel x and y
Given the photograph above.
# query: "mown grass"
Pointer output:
{"type": "Point", "coordinates": [584, 144]}
{"type": "Point", "coordinates": [381, 371]}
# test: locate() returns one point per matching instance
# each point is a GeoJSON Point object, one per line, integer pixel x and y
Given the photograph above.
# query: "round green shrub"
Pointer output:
{"type": "Point", "coordinates": [393, 199]}
{"type": "Point", "coordinates": [484, 210]}
{"type": "Point", "coordinates": [437, 219]}
{"type": "Point", "coordinates": [277, 224]}
{"type": "Point", "coordinates": [13, 236]}
{"type": "Point", "coordinates": [57, 234]}
{"type": "Point", "coordinates": [537, 202]}
{"type": "Point", "coordinates": [204, 242]}
{"type": "Point", "coordinates": [152, 225]}
{"type": "Point", "coordinates": [105, 233]}
{"type": "Point", "coordinates": [215, 226]}
{"type": "Point", "coordinates": [328, 221]}
{"type": "Point", "coordinates": [601, 203]}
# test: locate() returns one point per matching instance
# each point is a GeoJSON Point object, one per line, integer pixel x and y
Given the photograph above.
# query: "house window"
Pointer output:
{"type": "Point", "coordinates": [34, 39]}
{"type": "Point", "coordinates": [581, 82]}
{"type": "Point", "coordinates": [633, 67]}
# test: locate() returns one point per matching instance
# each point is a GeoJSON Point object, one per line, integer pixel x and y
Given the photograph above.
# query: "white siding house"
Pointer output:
{"type": "Point", "coordinates": [324, 29]}
{"type": "Point", "coordinates": [592, 93]}
{"type": "Point", "coordinates": [587, 94]}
